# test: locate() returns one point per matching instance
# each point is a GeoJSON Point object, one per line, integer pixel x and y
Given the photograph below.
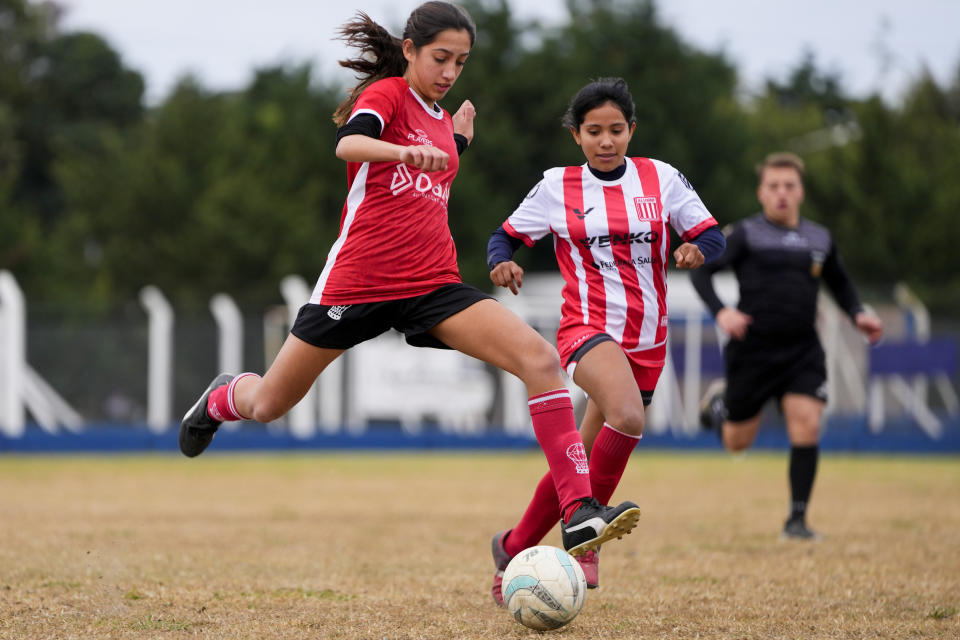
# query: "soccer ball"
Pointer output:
{"type": "Point", "coordinates": [544, 588]}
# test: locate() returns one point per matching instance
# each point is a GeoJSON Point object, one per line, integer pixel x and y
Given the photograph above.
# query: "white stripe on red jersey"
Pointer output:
{"type": "Point", "coordinates": [394, 239]}
{"type": "Point", "coordinates": [612, 245]}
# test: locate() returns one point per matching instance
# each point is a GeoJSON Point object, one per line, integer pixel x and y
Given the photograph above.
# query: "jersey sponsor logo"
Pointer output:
{"type": "Point", "coordinates": [581, 214]}
{"type": "Point", "coordinates": [336, 311]}
{"type": "Point", "coordinates": [422, 185]}
{"type": "Point", "coordinates": [641, 237]}
{"type": "Point", "coordinates": [419, 136]}
{"type": "Point", "coordinates": [647, 207]}
{"type": "Point", "coordinates": [533, 191]}
{"type": "Point", "coordinates": [685, 182]}
{"type": "Point", "coordinates": [610, 265]}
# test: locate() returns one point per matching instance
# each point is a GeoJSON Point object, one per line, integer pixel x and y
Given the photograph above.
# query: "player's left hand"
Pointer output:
{"type": "Point", "coordinates": [688, 256]}
{"type": "Point", "coordinates": [463, 120]}
{"type": "Point", "coordinates": [870, 325]}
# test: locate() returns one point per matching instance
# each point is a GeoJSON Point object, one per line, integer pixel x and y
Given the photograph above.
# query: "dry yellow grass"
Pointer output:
{"type": "Point", "coordinates": [396, 546]}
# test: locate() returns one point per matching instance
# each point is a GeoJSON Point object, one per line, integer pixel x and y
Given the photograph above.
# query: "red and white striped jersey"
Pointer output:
{"type": "Point", "coordinates": [394, 239]}
{"type": "Point", "coordinates": [612, 245]}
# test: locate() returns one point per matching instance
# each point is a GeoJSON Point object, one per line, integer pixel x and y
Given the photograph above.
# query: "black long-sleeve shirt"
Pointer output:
{"type": "Point", "coordinates": [779, 270]}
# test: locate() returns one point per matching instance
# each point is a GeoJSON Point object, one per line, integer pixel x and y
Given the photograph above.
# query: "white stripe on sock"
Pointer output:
{"type": "Point", "coordinates": [233, 383]}
{"type": "Point", "coordinates": [626, 435]}
{"type": "Point", "coordinates": [549, 395]}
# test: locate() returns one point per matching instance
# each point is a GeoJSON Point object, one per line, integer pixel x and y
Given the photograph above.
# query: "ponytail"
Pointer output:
{"type": "Point", "coordinates": [381, 54]}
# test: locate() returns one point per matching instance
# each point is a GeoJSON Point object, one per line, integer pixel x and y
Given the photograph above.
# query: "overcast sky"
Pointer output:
{"type": "Point", "coordinates": [874, 44]}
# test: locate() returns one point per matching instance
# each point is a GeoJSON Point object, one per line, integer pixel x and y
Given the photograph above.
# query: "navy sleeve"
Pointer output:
{"type": "Point", "coordinates": [839, 283]}
{"type": "Point", "coordinates": [365, 124]}
{"type": "Point", "coordinates": [501, 247]}
{"type": "Point", "coordinates": [702, 278]}
{"type": "Point", "coordinates": [711, 243]}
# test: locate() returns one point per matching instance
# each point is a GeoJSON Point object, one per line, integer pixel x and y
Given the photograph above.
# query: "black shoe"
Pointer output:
{"type": "Point", "coordinates": [197, 428]}
{"type": "Point", "coordinates": [592, 524]}
{"type": "Point", "coordinates": [713, 411]}
{"type": "Point", "coordinates": [796, 529]}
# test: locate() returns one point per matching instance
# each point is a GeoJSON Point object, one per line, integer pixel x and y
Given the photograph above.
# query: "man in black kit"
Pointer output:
{"type": "Point", "coordinates": [779, 259]}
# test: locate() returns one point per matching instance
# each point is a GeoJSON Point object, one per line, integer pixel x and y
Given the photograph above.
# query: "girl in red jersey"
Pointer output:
{"type": "Point", "coordinates": [394, 264]}
{"type": "Point", "coordinates": [609, 218]}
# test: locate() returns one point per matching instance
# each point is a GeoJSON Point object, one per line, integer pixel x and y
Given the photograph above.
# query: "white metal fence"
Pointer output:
{"type": "Point", "coordinates": [385, 379]}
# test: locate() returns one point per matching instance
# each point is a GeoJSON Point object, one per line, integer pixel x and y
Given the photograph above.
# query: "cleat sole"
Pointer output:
{"type": "Point", "coordinates": [621, 525]}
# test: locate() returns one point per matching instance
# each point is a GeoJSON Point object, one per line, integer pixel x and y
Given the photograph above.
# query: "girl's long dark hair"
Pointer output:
{"type": "Point", "coordinates": [381, 54]}
{"type": "Point", "coordinates": [599, 92]}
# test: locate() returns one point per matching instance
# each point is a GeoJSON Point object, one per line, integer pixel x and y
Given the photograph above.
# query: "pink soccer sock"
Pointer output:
{"type": "Point", "coordinates": [608, 460]}
{"type": "Point", "coordinates": [607, 464]}
{"type": "Point", "coordinates": [220, 405]}
{"type": "Point", "coordinates": [556, 430]}
{"type": "Point", "coordinates": [541, 515]}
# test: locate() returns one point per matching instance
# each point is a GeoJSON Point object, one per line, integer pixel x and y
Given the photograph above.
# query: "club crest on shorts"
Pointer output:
{"type": "Point", "coordinates": [647, 208]}
{"type": "Point", "coordinates": [336, 312]}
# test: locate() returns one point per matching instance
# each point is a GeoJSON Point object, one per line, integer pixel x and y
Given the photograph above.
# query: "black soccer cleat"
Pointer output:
{"type": "Point", "coordinates": [197, 428]}
{"type": "Point", "coordinates": [713, 411]}
{"type": "Point", "coordinates": [592, 524]}
{"type": "Point", "coordinates": [797, 529]}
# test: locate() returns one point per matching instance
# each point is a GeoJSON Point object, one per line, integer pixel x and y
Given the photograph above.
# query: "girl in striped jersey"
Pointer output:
{"type": "Point", "coordinates": [401, 150]}
{"type": "Point", "coordinates": [609, 220]}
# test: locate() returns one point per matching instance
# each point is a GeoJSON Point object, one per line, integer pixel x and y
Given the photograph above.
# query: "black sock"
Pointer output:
{"type": "Point", "coordinates": [803, 468]}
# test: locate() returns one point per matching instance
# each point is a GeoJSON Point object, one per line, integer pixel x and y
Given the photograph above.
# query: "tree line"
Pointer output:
{"type": "Point", "coordinates": [230, 191]}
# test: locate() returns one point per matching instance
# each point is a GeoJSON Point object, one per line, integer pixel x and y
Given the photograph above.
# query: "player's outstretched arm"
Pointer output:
{"type": "Point", "coordinates": [870, 325]}
{"type": "Point", "coordinates": [688, 256]}
{"type": "Point", "coordinates": [360, 148]}
{"type": "Point", "coordinates": [508, 275]}
{"type": "Point", "coordinates": [733, 322]}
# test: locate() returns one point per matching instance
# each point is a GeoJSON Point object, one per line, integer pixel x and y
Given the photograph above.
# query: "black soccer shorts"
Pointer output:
{"type": "Point", "coordinates": [347, 325]}
{"type": "Point", "coordinates": [758, 370]}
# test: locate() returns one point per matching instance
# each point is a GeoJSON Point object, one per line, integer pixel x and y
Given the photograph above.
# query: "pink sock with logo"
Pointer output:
{"type": "Point", "coordinates": [220, 405]}
{"type": "Point", "coordinates": [556, 430]}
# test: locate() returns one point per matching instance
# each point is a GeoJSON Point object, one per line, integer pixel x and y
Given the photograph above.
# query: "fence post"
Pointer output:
{"type": "Point", "coordinates": [229, 321]}
{"type": "Point", "coordinates": [13, 342]}
{"type": "Point", "coordinates": [160, 358]}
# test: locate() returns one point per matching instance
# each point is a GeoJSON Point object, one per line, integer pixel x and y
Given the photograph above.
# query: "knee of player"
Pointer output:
{"type": "Point", "coordinates": [628, 419]}
{"type": "Point", "coordinates": [540, 359]}
{"type": "Point", "coordinates": [735, 442]}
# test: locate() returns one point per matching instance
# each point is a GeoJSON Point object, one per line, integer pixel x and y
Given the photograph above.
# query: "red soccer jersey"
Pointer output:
{"type": "Point", "coordinates": [612, 244]}
{"type": "Point", "coordinates": [394, 239]}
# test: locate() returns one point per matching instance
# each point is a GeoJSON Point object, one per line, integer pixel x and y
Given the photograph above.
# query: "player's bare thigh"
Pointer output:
{"type": "Point", "coordinates": [490, 332]}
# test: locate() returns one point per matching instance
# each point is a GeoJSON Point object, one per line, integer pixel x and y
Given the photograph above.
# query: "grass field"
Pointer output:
{"type": "Point", "coordinates": [397, 546]}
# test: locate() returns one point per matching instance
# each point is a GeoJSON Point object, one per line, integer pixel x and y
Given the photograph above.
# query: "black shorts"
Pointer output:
{"type": "Point", "coordinates": [347, 325]}
{"type": "Point", "coordinates": [759, 370]}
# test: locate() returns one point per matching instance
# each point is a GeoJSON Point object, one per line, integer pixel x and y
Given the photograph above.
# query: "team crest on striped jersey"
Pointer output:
{"type": "Point", "coordinates": [647, 208]}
